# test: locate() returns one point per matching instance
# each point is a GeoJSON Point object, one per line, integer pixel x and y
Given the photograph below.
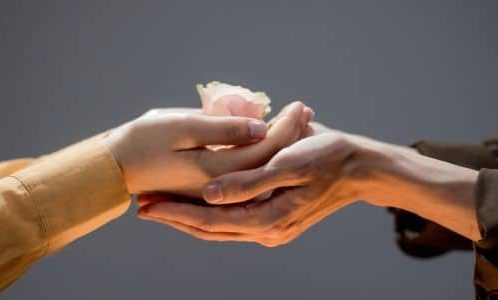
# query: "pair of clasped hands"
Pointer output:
{"type": "Point", "coordinates": [227, 177]}
{"type": "Point", "coordinates": [220, 173]}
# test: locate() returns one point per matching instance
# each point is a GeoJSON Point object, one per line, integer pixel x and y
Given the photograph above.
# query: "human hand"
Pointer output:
{"type": "Point", "coordinates": [311, 178]}
{"type": "Point", "coordinates": [315, 177]}
{"type": "Point", "coordinates": [164, 150]}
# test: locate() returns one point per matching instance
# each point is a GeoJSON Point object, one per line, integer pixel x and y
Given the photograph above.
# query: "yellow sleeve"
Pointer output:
{"type": "Point", "coordinates": [10, 166]}
{"type": "Point", "coordinates": [55, 200]}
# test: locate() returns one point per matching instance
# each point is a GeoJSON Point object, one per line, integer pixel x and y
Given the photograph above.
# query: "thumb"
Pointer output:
{"type": "Point", "coordinates": [244, 185]}
{"type": "Point", "coordinates": [215, 130]}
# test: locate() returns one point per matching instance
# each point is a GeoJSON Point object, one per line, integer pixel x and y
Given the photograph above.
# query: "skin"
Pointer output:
{"type": "Point", "coordinates": [165, 149]}
{"type": "Point", "coordinates": [314, 178]}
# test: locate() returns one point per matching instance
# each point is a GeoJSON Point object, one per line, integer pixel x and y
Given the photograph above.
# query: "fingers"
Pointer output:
{"type": "Point", "coordinates": [150, 198]}
{"type": "Point", "coordinates": [268, 223]}
{"type": "Point", "coordinates": [308, 114]}
{"type": "Point", "coordinates": [285, 131]}
{"type": "Point", "coordinates": [282, 112]}
{"type": "Point", "coordinates": [201, 130]}
{"type": "Point", "coordinates": [198, 233]}
{"type": "Point", "coordinates": [245, 185]}
{"type": "Point", "coordinates": [250, 218]}
{"type": "Point", "coordinates": [207, 218]}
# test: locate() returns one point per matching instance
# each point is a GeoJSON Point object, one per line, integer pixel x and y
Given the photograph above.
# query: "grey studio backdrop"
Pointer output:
{"type": "Point", "coordinates": [394, 70]}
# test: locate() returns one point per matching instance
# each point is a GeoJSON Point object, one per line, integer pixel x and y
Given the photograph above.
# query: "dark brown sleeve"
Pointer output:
{"type": "Point", "coordinates": [486, 271]}
{"type": "Point", "coordinates": [421, 238]}
{"type": "Point", "coordinates": [478, 156]}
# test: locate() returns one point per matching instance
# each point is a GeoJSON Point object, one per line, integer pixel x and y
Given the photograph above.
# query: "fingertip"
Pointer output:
{"type": "Point", "coordinates": [213, 193]}
{"type": "Point", "coordinates": [299, 105]}
{"type": "Point", "coordinates": [297, 109]}
{"type": "Point", "coordinates": [310, 114]}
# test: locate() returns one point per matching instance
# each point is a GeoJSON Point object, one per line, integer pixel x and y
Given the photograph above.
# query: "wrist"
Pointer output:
{"type": "Point", "coordinates": [367, 171]}
{"type": "Point", "coordinates": [435, 190]}
{"type": "Point", "coordinates": [386, 174]}
{"type": "Point", "coordinates": [115, 143]}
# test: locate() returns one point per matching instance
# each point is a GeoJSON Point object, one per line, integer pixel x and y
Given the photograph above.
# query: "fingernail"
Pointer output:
{"type": "Point", "coordinates": [212, 192]}
{"type": "Point", "coordinates": [257, 129]}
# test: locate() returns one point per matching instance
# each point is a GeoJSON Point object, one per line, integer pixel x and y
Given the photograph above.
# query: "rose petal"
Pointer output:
{"type": "Point", "coordinates": [224, 99]}
{"type": "Point", "coordinates": [238, 106]}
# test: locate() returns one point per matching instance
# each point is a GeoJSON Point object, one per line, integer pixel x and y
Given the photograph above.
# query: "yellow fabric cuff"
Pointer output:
{"type": "Point", "coordinates": [76, 190]}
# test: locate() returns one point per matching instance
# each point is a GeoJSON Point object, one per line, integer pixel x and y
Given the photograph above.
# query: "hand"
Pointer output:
{"type": "Point", "coordinates": [313, 178]}
{"type": "Point", "coordinates": [164, 149]}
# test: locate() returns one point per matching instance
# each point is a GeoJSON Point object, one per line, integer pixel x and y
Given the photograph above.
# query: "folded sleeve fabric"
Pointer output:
{"type": "Point", "coordinates": [486, 271]}
{"type": "Point", "coordinates": [49, 202]}
{"type": "Point", "coordinates": [482, 157]}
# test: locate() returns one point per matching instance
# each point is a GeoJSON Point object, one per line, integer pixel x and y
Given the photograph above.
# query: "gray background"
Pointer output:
{"type": "Point", "coordinates": [394, 70]}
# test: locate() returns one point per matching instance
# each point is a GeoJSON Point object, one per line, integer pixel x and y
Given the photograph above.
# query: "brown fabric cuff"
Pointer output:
{"type": "Point", "coordinates": [421, 238]}
{"type": "Point", "coordinates": [486, 271]}
{"type": "Point", "coordinates": [76, 190]}
{"type": "Point", "coordinates": [479, 157]}
{"type": "Point", "coordinates": [466, 155]}
{"type": "Point", "coordinates": [484, 158]}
